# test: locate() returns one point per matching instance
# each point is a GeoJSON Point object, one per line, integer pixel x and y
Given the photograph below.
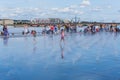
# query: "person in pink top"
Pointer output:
{"type": "Point", "coordinates": [52, 29]}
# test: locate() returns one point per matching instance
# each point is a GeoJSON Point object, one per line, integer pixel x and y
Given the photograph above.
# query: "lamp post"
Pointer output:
{"type": "Point", "coordinates": [76, 20]}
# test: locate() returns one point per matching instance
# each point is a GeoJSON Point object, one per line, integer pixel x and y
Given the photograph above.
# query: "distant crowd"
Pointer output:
{"type": "Point", "coordinates": [91, 28]}
{"type": "Point", "coordinates": [56, 29]}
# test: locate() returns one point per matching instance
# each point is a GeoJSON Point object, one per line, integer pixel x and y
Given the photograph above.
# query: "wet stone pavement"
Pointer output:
{"type": "Point", "coordinates": [81, 57]}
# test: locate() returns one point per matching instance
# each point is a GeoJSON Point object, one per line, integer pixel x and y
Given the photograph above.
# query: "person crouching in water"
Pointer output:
{"type": "Point", "coordinates": [5, 31]}
{"type": "Point", "coordinates": [26, 30]}
{"type": "Point", "coordinates": [62, 35]}
{"type": "Point", "coordinates": [33, 32]}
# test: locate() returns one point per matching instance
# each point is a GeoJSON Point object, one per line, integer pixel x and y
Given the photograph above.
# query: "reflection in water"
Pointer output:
{"type": "Point", "coordinates": [98, 58]}
{"type": "Point", "coordinates": [34, 45]}
{"type": "Point", "coordinates": [45, 42]}
{"type": "Point", "coordinates": [5, 40]}
{"type": "Point", "coordinates": [62, 50]}
{"type": "Point", "coordinates": [115, 35]}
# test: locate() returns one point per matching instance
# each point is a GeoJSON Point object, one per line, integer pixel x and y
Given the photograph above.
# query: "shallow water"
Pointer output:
{"type": "Point", "coordinates": [82, 57]}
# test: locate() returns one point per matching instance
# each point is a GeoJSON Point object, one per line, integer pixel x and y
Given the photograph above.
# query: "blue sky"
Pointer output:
{"type": "Point", "coordinates": [86, 10]}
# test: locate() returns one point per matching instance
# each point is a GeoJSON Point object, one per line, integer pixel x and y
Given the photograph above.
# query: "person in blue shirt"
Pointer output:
{"type": "Point", "coordinates": [5, 31]}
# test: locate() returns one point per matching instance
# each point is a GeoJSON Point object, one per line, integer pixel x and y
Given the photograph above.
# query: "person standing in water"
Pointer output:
{"type": "Point", "coordinates": [52, 29]}
{"type": "Point", "coordinates": [5, 31]}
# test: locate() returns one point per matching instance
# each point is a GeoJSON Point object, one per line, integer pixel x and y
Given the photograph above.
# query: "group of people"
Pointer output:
{"type": "Point", "coordinates": [61, 29]}
{"type": "Point", "coordinates": [55, 29]}
{"type": "Point", "coordinates": [92, 28]}
{"type": "Point", "coordinates": [107, 28]}
{"type": "Point", "coordinates": [26, 31]}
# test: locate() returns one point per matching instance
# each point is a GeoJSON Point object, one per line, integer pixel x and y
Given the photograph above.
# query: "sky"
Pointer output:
{"type": "Point", "coordinates": [85, 10]}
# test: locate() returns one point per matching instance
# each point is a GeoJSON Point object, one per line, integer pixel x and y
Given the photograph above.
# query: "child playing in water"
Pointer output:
{"type": "Point", "coordinates": [26, 30]}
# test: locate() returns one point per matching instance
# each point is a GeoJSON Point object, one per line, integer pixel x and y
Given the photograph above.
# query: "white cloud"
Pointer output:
{"type": "Point", "coordinates": [109, 6]}
{"type": "Point", "coordinates": [78, 12]}
{"type": "Point", "coordinates": [97, 9]}
{"type": "Point", "coordinates": [67, 9]}
{"type": "Point", "coordinates": [20, 12]}
{"type": "Point", "coordinates": [2, 9]}
{"type": "Point", "coordinates": [62, 10]}
{"type": "Point", "coordinates": [28, 13]}
{"type": "Point", "coordinates": [85, 3]}
{"type": "Point", "coordinates": [72, 10]}
{"type": "Point", "coordinates": [54, 9]}
{"type": "Point", "coordinates": [73, 6]}
{"type": "Point", "coordinates": [13, 14]}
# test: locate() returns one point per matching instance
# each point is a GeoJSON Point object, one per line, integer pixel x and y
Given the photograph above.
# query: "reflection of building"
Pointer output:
{"type": "Point", "coordinates": [66, 21]}
{"type": "Point", "coordinates": [6, 22]}
{"type": "Point", "coordinates": [48, 20]}
{"type": "Point", "coordinates": [55, 20]}
{"type": "Point", "coordinates": [1, 22]}
{"type": "Point", "coordinates": [22, 21]}
{"type": "Point", "coordinates": [39, 21]}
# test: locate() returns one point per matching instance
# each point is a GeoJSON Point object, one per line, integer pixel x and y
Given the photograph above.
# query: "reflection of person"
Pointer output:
{"type": "Point", "coordinates": [62, 35]}
{"type": "Point", "coordinates": [34, 45]}
{"type": "Point", "coordinates": [62, 51]}
{"type": "Point", "coordinates": [5, 40]}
